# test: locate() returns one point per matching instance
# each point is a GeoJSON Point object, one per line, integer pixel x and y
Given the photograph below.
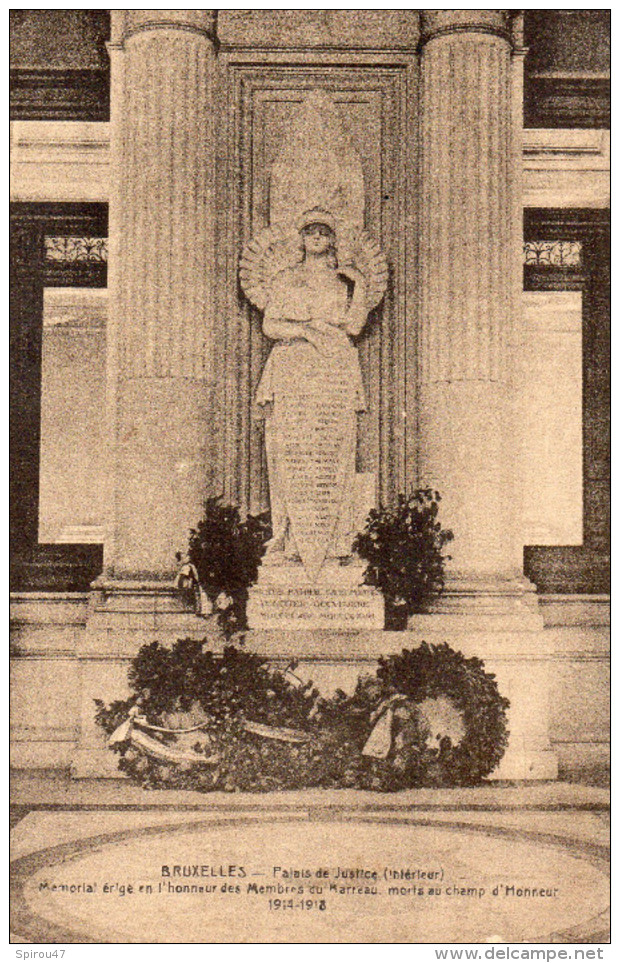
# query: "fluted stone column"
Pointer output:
{"type": "Point", "coordinates": [162, 215]}
{"type": "Point", "coordinates": [468, 364]}
{"type": "Point", "coordinates": [467, 278]}
{"type": "Point", "coordinates": [159, 365]}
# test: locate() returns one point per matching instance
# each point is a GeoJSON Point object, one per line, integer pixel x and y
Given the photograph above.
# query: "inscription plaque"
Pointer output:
{"type": "Point", "coordinates": [284, 599]}
{"type": "Point", "coordinates": [315, 608]}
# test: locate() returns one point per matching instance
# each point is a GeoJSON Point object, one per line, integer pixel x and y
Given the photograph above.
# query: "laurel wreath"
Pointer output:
{"type": "Point", "coordinates": [432, 672]}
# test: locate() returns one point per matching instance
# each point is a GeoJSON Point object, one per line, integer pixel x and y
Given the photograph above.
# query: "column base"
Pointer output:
{"type": "Point", "coordinates": [95, 764]}
{"type": "Point", "coordinates": [509, 603]}
{"type": "Point", "coordinates": [519, 765]}
{"type": "Point", "coordinates": [125, 614]}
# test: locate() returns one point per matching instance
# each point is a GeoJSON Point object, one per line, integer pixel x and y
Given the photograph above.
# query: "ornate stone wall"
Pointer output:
{"type": "Point", "coordinates": [186, 351]}
{"type": "Point", "coordinates": [376, 101]}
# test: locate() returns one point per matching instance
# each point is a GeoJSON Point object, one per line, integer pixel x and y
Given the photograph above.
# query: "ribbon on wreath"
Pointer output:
{"type": "Point", "coordinates": [379, 742]}
{"type": "Point", "coordinates": [188, 582]}
{"type": "Point", "coordinates": [135, 729]}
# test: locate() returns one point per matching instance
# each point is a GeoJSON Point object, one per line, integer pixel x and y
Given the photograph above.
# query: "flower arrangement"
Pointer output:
{"type": "Point", "coordinates": [404, 550]}
{"type": "Point", "coordinates": [238, 698]}
{"type": "Point", "coordinates": [197, 720]}
{"type": "Point", "coordinates": [226, 551]}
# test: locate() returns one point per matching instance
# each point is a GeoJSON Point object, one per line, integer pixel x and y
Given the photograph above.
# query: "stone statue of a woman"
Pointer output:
{"type": "Point", "coordinates": [311, 387]}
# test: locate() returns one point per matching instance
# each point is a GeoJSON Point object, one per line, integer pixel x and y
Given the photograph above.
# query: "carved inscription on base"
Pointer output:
{"type": "Point", "coordinates": [315, 608]}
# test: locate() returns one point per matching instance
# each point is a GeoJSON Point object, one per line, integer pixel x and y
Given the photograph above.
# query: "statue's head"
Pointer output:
{"type": "Point", "coordinates": [317, 229]}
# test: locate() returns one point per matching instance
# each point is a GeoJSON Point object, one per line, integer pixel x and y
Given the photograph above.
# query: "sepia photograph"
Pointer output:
{"type": "Point", "coordinates": [310, 478]}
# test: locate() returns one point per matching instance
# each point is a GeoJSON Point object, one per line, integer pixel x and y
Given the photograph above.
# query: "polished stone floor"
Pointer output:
{"type": "Point", "coordinates": [497, 863]}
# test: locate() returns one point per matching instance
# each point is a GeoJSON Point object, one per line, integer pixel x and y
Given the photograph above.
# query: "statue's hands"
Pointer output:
{"type": "Point", "coordinates": [325, 337]}
{"type": "Point", "coordinates": [354, 274]}
{"type": "Point", "coordinates": [318, 324]}
{"type": "Point", "coordinates": [318, 338]}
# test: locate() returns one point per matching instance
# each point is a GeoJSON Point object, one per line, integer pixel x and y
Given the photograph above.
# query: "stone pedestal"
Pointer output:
{"type": "Point", "coordinates": [285, 599]}
{"type": "Point", "coordinates": [514, 649]}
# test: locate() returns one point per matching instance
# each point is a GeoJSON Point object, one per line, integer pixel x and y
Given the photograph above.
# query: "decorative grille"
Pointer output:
{"type": "Point", "coordinates": [553, 253]}
{"type": "Point", "coordinates": [76, 248]}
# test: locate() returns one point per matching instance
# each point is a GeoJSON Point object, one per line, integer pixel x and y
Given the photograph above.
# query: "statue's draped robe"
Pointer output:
{"type": "Point", "coordinates": [311, 402]}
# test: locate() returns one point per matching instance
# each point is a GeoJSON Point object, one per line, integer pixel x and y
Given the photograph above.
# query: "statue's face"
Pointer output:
{"type": "Point", "coordinates": [317, 238]}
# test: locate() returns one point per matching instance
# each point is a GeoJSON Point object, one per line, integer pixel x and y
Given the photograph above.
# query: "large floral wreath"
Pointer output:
{"type": "Point", "coordinates": [197, 720]}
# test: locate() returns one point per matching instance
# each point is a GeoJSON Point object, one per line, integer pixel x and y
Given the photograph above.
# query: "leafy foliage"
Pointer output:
{"type": "Point", "coordinates": [175, 687]}
{"type": "Point", "coordinates": [227, 551]}
{"type": "Point", "coordinates": [429, 671]}
{"type": "Point", "coordinates": [187, 685]}
{"type": "Point", "coordinates": [404, 550]}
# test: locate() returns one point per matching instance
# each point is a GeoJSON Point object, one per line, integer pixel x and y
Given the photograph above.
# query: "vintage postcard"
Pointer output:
{"type": "Point", "coordinates": [310, 330]}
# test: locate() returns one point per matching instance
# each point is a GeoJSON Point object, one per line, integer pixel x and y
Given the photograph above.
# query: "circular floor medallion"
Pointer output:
{"type": "Point", "coordinates": [289, 879]}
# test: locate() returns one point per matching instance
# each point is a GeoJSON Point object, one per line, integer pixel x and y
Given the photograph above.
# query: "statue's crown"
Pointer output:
{"type": "Point", "coordinates": [316, 215]}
